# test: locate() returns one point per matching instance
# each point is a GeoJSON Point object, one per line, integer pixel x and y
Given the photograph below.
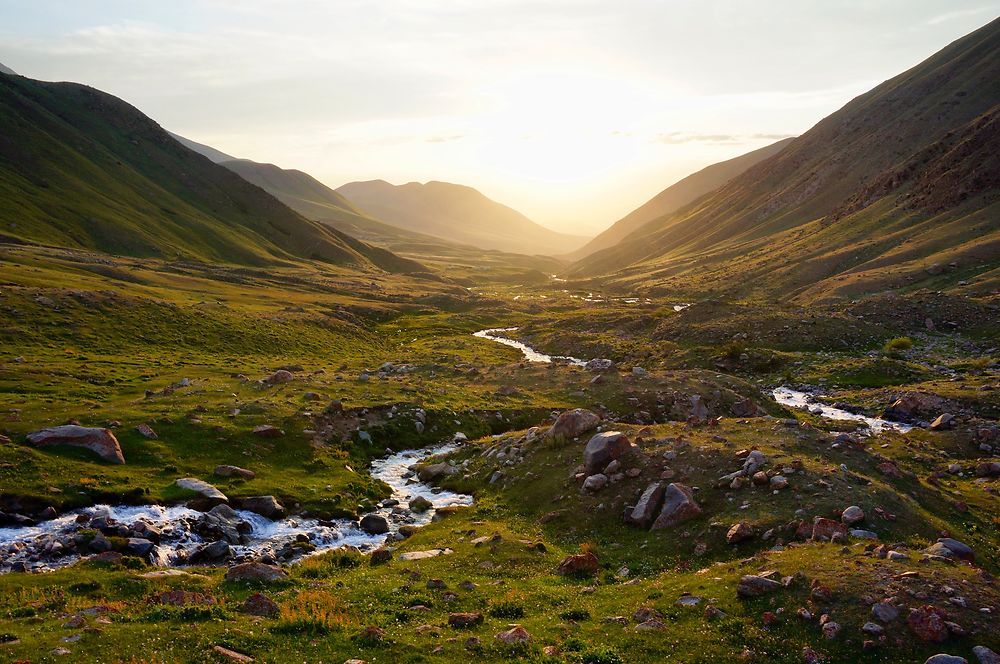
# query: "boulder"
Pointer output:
{"type": "Point", "coordinates": [957, 549]}
{"type": "Point", "coordinates": [234, 471]}
{"type": "Point", "coordinates": [985, 655]}
{"type": "Point", "coordinates": [745, 408]}
{"type": "Point", "coordinates": [267, 506]}
{"type": "Point", "coordinates": [255, 572]}
{"type": "Point", "coordinates": [755, 586]}
{"type": "Point", "coordinates": [678, 506]}
{"type": "Point", "coordinates": [884, 612]}
{"type": "Point", "coordinates": [420, 504]}
{"type": "Point", "coordinates": [373, 524]}
{"type": "Point", "coordinates": [603, 448]}
{"type": "Point", "coordinates": [827, 529]}
{"type": "Point", "coordinates": [146, 431]}
{"type": "Point", "coordinates": [754, 462]}
{"type": "Point", "coordinates": [740, 532]}
{"type": "Point", "coordinates": [599, 364]}
{"type": "Point", "coordinates": [99, 441]}
{"type": "Point", "coordinates": [928, 624]}
{"type": "Point", "coordinates": [259, 604]}
{"type": "Point", "coordinates": [514, 635]}
{"type": "Point", "coordinates": [435, 471]}
{"type": "Point", "coordinates": [202, 488]}
{"type": "Point", "coordinates": [212, 552]}
{"type": "Point", "coordinates": [942, 422]}
{"type": "Point", "coordinates": [699, 411]}
{"type": "Point", "coordinates": [267, 431]}
{"type": "Point", "coordinates": [946, 659]}
{"type": "Point", "coordinates": [852, 515]}
{"type": "Point", "coordinates": [579, 564]}
{"type": "Point", "coordinates": [464, 620]}
{"type": "Point", "coordinates": [280, 376]}
{"type": "Point", "coordinates": [645, 508]}
{"type": "Point", "coordinates": [595, 482]}
{"type": "Point", "coordinates": [988, 469]}
{"type": "Point", "coordinates": [573, 423]}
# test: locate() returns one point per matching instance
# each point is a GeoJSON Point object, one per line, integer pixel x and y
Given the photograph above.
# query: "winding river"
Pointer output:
{"type": "Point", "coordinates": [28, 545]}
{"type": "Point", "coordinates": [784, 395]}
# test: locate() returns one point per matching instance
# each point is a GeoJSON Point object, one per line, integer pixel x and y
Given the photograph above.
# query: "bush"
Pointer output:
{"type": "Point", "coordinates": [575, 615]}
{"type": "Point", "coordinates": [898, 344]}
{"type": "Point", "coordinates": [602, 656]}
{"type": "Point", "coordinates": [507, 610]}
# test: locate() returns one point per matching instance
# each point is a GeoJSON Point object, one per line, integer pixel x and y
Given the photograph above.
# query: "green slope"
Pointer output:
{"type": "Point", "coordinates": [678, 195]}
{"type": "Point", "coordinates": [829, 213]}
{"type": "Point", "coordinates": [81, 168]}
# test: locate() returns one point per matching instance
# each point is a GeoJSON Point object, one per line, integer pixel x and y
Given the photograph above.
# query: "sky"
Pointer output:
{"type": "Point", "coordinates": [573, 112]}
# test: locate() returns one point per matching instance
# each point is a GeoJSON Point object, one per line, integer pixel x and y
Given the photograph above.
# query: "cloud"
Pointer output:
{"type": "Point", "coordinates": [961, 13]}
{"type": "Point", "coordinates": [444, 139]}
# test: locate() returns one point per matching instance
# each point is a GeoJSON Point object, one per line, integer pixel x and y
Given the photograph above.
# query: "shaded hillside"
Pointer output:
{"type": "Point", "coordinates": [895, 190]}
{"type": "Point", "coordinates": [299, 191]}
{"type": "Point", "coordinates": [4, 69]}
{"type": "Point", "coordinates": [218, 156]}
{"type": "Point", "coordinates": [678, 195]}
{"type": "Point", "coordinates": [81, 168]}
{"type": "Point", "coordinates": [456, 213]}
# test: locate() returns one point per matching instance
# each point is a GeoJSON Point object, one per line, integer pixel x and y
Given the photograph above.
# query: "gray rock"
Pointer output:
{"type": "Point", "coordinates": [373, 524]}
{"type": "Point", "coordinates": [420, 504]}
{"type": "Point", "coordinates": [99, 441]}
{"type": "Point", "coordinates": [138, 546]}
{"type": "Point", "coordinates": [884, 612]}
{"type": "Point", "coordinates": [595, 482]}
{"type": "Point", "coordinates": [985, 655]}
{"type": "Point", "coordinates": [234, 471]}
{"type": "Point", "coordinates": [573, 423]}
{"type": "Point", "coordinates": [645, 508]}
{"type": "Point", "coordinates": [678, 506]}
{"type": "Point", "coordinates": [603, 448]}
{"type": "Point", "coordinates": [946, 659]}
{"type": "Point", "coordinates": [202, 488]}
{"type": "Point", "coordinates": [435, 471]}
{"type": "Point", "coordinates": [213, 552]}
{"type": "Point", "coordinates": [852, 515]}
{"type": "Point", "coordinates": [755, 586]}
{"type": "Point", "coordinates": [754, 462]}
{"type": "Point", "coordinates": [267, 506]}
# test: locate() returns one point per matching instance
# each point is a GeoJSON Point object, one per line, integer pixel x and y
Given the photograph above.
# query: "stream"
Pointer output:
{"type": "Point", "coordinates": [41, 547]}
{"type": "Point", "coordinates": [784, 395]}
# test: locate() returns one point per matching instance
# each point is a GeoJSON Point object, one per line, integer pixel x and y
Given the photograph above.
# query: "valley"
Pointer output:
{"type": "Point", "coordinates": [249, 417]}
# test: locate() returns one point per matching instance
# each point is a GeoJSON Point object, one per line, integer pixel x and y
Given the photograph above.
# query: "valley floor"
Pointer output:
{"type": "Point", "coordinates": [306, 374]}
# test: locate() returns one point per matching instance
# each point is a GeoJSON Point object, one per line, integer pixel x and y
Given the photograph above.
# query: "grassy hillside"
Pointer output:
{"type": "Point", "coordinates": [896, 190]}
{"type": "Point", "coordinates": [458, 214]}
{"type": "Point", "coordinates": [678, 195]}
{"type": "Point", "coordinates": [80, 168]}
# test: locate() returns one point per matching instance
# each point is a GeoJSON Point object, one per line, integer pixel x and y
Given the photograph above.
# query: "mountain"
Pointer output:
{"type": "Point", "coordinates": [81, 168]}
{"type": "Point", "coordinates": [299, 191]}
{"type": "Point", "coordinates": [456, 213]}
{"type": "Point", "coordinates": [4, 69]}
{"type": "Point", "coordinates": [678, 195]}
{"type": "Point", "coordinates": [897, 190]}
{"type": "Point", "coordinates": [218, 156]}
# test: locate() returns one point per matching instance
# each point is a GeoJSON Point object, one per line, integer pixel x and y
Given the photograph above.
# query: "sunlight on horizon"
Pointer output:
{"type": "Point", "coordinates": [573, 113]}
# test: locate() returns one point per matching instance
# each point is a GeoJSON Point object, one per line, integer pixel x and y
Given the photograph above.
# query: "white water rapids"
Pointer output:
{"type": "Point", "coordinates": [266, 536]}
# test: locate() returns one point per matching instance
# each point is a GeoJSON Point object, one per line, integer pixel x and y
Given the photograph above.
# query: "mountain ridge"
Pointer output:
{"type": "Point", "coordinates": [787, 214]}
{"type": "Point", "coordinates": [457, 213]}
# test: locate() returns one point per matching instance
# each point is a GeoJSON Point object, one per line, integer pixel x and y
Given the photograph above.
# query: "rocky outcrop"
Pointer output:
{"type": "Point", "coordinates": [755, 586]}
{"type": "Point", "coordinates": [99, 441]}
{"type": "Point", "coordinates": [579, 564]}
{"type": "Point", "coordinates": [373, 524]}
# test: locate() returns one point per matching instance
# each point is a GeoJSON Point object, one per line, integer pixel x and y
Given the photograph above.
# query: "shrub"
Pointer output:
{"type": "Point", "coordinates": [575, 615]}
{"type": "Point", "coordinates": [898, 344]}
{"type": "Point", "coordinates": [507, 610]}
{"type": "Point", "coordinates": [602, 656]}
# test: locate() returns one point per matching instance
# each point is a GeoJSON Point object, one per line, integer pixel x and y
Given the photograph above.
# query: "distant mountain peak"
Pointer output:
{"type": "Point", "coordinates": [457, 213]}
